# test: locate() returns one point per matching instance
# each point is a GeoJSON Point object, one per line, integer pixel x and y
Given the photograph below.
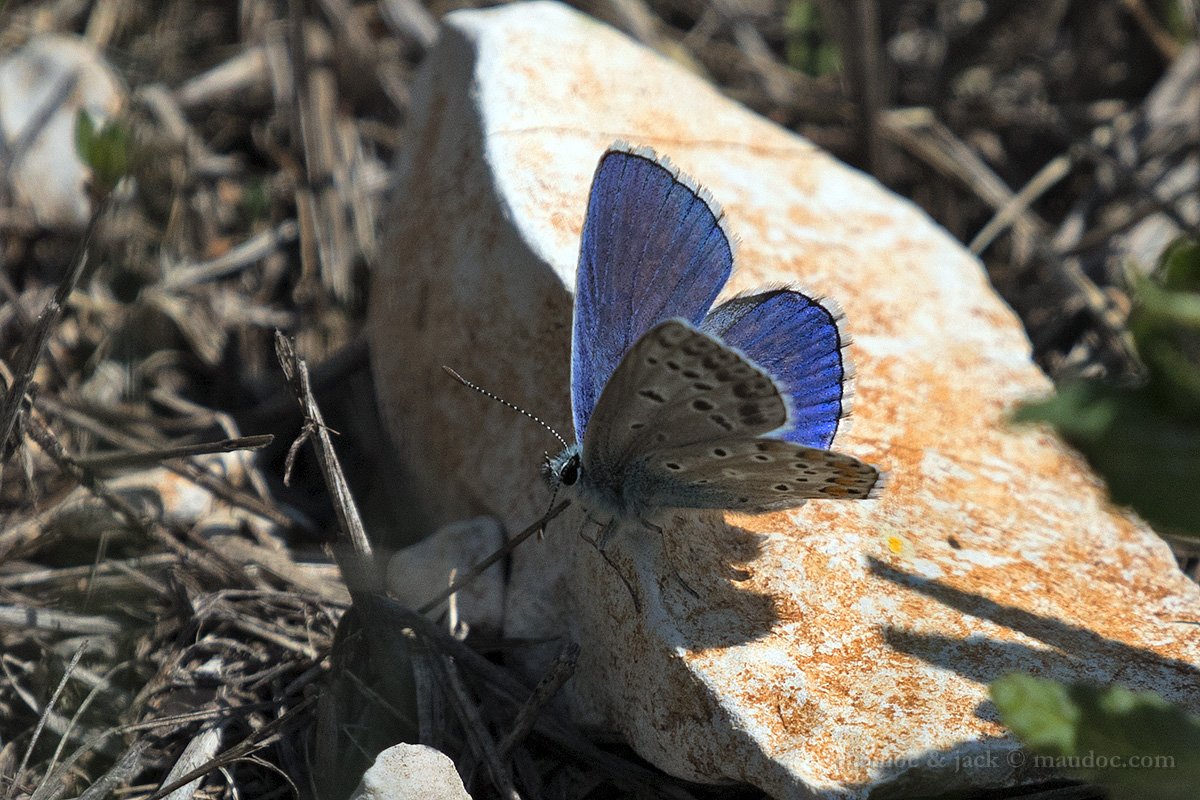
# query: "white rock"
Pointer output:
{"type": "Point", "coordinates": [411, 772]}
{"type": "Point", "coordinates": [833, 649]}
{"type": "Point", "coordinates": [423, 570]}
{"type": "Point", "coordinates": [47, 176]}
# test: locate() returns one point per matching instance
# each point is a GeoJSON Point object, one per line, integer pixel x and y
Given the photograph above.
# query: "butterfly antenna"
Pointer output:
{"type": "Point", "coordinates": [504, 402]}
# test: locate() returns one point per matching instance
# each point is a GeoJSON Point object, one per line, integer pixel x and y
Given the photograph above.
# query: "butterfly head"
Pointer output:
{"type": "Point", "coordinates": [564, 470]}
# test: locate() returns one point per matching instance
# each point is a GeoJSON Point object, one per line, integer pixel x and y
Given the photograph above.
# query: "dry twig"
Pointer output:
{"type": "Point", "coordinates": [349, 521]}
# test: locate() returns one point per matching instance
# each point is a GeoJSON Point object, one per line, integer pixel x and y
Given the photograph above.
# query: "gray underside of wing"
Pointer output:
{"type": "Point", "coordinates": [674, 388]}
{"type": "Point", "coordinates": [752, 475]}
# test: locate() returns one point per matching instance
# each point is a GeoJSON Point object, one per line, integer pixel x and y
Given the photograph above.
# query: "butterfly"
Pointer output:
{"type": "Point", "coordinates": [679, 405]}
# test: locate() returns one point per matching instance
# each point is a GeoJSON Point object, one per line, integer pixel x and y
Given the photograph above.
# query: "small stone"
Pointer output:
{"type": "Point", "coordinates": [411, 772]}
{"type": "Point", "coordinates": [424, 570]}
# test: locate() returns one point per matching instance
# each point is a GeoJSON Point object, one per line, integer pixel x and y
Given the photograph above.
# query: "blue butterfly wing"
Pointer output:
{"type": "Point", "coordinates": [653, 249]}
{"type": "Point", "coordinates": [798, 342]}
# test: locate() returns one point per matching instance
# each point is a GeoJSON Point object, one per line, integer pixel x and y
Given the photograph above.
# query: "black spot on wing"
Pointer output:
{"type": "Point", "coordinates": [758, 386]}
{"type": "Point", "coordinates": [752, 414]}
{"type": "Point", "coordinates": [670, 335]}
{"type": "Point", "coordinates": [699, 345]}
{"type": "Point", "coordinates": [721, 421]}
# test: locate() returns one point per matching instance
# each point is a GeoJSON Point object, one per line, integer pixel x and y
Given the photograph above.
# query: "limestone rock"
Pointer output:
{"type": "Point", "coordinates": [828, 651]}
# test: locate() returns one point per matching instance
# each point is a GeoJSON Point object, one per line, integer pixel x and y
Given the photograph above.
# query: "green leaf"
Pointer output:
{"type": "Point", "coordinates": [1082, 412]}
{"type": "Point", "coordinates": [1134, 743]}
{"type": "Point", "coordinates": [1039, 712]}
{"type": "Point", "coordinates": [1165, 324]}
{"type": "Point", "coordinates": [85, 132]}
{"type": "Point", "coordinates": [106, 150]}
{"type": "Point", "coordinates": [1148, 455]}
{"type": "Point", "coordinates": [807, 47]}
{"type": "Point", "coordinates": [1168, 307]}
{"type": "Point", "coordinates": [256, 201]}
{"type": "Point", "coordinates": [1180, 265]}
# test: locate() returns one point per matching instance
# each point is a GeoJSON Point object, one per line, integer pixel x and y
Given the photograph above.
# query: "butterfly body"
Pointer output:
{"type": "Point", "coordinates": [679, 406]}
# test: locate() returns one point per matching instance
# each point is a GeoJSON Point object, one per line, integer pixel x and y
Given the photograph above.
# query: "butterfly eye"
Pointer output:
{"type": "Point", "coordinates": [570, 471]}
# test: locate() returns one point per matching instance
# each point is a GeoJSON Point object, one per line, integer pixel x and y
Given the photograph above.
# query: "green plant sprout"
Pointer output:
{"type": "Point", "coordinates": [1135, 744]}
{"type": "Point", "coordinates": [106, 150]}
{"type": "Point", "coordinates": [1145, 440]}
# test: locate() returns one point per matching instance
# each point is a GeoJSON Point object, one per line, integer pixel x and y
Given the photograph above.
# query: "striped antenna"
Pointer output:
{"type": "Point", "coordinates": [504, 402]}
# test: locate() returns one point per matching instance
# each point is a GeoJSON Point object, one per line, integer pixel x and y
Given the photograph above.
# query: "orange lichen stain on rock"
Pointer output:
{"type": "Point", "coordinates": [796, 717]}
{"type": "Point", "coordinates": [883, 222]}
{"type": "Point", "coordinates": [803, 218]}
{"type": "Point", "coordinates": [1023, 593]}
{"type": "Point", "coordinates": [584, 82]}
{"type": "Point", "coordinates": [768, 523]}
{"type": "Point", "coordinates": [898, 545]}
{"type": "Point", "coordinates": [785, 710]}
{"type": "Point", "coordinates": [788, 610]}
{"type": "Point", "coordinates": [569, 224]}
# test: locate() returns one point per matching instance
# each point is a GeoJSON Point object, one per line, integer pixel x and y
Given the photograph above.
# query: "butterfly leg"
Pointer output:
{"type": "Point", "coordinates": [600, 528]}
{"type": "Point", "coordinates": [666, 555]}
{"type": "Point", "coordinates": [637, 604]}
{"type": "Point", "coordinates": [605, 535]}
